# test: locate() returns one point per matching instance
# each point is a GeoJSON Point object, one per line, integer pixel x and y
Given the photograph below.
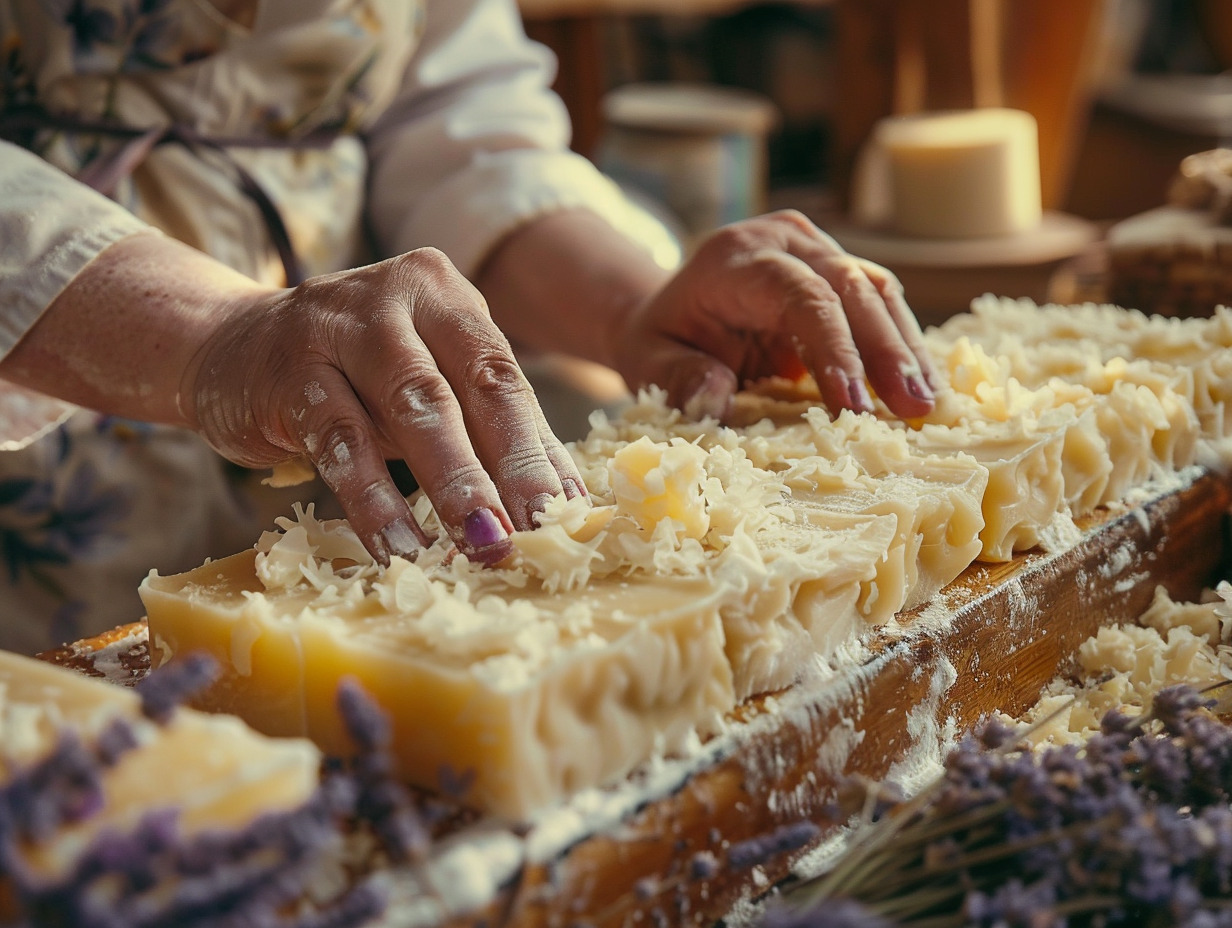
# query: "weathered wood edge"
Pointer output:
{"type": "Point", "coordinates": [1014, 628]}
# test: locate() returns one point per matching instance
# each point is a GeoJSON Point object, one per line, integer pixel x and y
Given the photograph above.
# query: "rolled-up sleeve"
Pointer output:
{"type": "Point", "coordinates": [51, 227]}
{"type": "Point", "coordinates": [476, 143]}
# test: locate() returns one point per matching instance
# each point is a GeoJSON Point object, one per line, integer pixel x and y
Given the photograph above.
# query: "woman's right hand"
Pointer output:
{"type": "Point", "coordinates": [395, 360]}
{"type": "Point", "coordinates": [399, 359]}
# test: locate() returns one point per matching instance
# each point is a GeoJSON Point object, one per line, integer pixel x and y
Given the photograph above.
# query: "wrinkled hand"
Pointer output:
{"type": "Point", "coordinates": [396, 360]}
{"type": "Point", "coordinates": [776, 295]}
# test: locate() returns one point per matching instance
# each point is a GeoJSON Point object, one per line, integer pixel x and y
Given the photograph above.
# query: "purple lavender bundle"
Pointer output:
{"type": "Point", "coordinates": [1134, 828]}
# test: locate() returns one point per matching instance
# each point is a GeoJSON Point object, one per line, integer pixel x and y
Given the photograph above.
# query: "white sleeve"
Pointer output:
{"type": "Point", "coordinates": [476, 143]}
{"type": "Point", "coordinates": [51, 227]}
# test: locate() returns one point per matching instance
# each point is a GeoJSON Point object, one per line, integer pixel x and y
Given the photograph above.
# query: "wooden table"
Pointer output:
{"type": "Point", "coordinates": [1014, 627]}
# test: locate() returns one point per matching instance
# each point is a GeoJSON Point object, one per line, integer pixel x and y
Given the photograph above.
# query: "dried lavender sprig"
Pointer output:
{"type": "Point", "coordinates": [63, 787]}
{"type": "Point", "coordinates": [1083, 801]}
{"type": "Point", "coordinates": [382, 800]}
{"type": "Point", "coordinates": [164, 689]}
{"type": "Point", "coordinates": [992, 737]}
{"type": "Point", "coordinates": [156, 877]}
{"type": "Point", "coordinates": [789, 837]}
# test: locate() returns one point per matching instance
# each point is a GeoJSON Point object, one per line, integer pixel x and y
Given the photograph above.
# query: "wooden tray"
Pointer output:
{"type": "Point", "coordinates": [1014, 627]}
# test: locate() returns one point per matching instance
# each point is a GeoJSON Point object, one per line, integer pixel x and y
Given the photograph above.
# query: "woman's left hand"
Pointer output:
{"type": "Point", "coordinates": [776, 295]}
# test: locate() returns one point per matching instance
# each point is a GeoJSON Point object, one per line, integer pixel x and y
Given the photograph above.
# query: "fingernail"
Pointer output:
{"type": "Point", "coordinates": [573, 488]}
{"type": "Point", "coordinates": [917, 387]}
{"type": "Point", "coordinates": [482, 529]}
{"type": "Point", "coordinates": [537, 506]}
{"type": "Point", "coordinates": [401, 539]}
{"type": "Point", "coordinates": [380, 550]}
{"type": "Point", "coordinates": [860, 400]}
{"type": "Point", "coordinates": [705, 397]}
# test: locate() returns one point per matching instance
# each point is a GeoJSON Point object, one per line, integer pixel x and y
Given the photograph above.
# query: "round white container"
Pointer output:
{"type": "Point", "coordinates": [698, 149]}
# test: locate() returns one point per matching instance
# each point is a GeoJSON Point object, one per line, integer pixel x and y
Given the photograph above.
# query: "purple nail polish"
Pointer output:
{"type": "Point", "coordinates": [919, 389]}
{"type": "Point", "coordinates": [483, 529]}
{"type": "Point", "coordinates": [860, 400]}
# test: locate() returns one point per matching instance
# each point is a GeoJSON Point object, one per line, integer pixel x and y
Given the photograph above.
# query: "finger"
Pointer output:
{"type": "Point", "coordinates": [908, 325]}
{"type": "Point", "coordinates": [339, 438]}
{"type": "Point", "coordinates": [419, 415]}
{"type": "Point", "coordinates": [562, 462]}
{"type": "Point", "coordinates": [507, 427]}
{"type": "Point", "coordinates": [892, 368]}
{"type": "Point", "coordinates": [813, 316]}
{"type": "Point", "coordinates": [885, 331]}
{"type": "Point", "coordinates": [697, 383]}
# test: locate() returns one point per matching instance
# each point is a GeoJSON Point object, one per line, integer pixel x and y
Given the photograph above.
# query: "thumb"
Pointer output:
{"type": "Point", "coordinates": [697, 383]}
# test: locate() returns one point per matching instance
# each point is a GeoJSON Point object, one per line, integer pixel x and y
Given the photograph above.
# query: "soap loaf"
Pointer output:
{"type": "Point", "coordinates": [710, 562]}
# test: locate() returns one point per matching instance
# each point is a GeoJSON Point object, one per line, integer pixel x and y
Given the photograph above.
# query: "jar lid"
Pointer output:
{"type": "Point", "coordinates": [676, 107]}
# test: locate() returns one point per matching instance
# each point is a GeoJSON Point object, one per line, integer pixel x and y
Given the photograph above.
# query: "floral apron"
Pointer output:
{"type": "Point", "coordinates": [226, 96]}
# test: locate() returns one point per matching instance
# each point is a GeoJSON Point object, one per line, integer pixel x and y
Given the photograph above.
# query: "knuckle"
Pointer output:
{"type": "Point", "coordinates": [494, 373]}
{"type": "Point", "coordinates": [421, 273]}
{"type": "Point", "coordinates": [845, 275]}
{"type": "Point", "coordinates": [416, 398]}
{"type": "Point", "coordinates": [428, 259]}
{"type": "Point", "coordinates": [523, 463]}
{"type": "Point", "coordinates": [812, 301]}
{"type": "Point", "coordinates": [455, 488]}
{"type": "Point", "coordinates": [890, 285]}
{"type": "Point", "coordinates": [885, 280]}
{"type": "Point", "coordinates": [335, 446]}
{"type": "Point", "coordinates": [731, 239]}
{"type": "Point", "coordinates": [796, 219]}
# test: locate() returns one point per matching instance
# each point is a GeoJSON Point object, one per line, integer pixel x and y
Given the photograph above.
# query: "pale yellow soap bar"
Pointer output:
{"type": "Point", "coordinates": [216, 772]}
{"type": "Point", "coordinates": [512, 696]}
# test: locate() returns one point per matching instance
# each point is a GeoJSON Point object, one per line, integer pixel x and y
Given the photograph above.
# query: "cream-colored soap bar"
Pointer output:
{"type": "Point", "coordinates": [960, 174]}
{"type": "Point", "coordinates": [805, 589]}
{"type": "Point", "coordinates": [214, 771]}
{"type": "Point", "coordinates": [510, 694]}
{"type": "Point", "coordinates": [936, 505]}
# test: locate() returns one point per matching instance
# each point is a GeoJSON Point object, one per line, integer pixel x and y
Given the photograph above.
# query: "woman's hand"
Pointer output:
{"type": "Point", "coordinates": [776, 295]}
{"type": "Point", "coordinates": [395, 360]}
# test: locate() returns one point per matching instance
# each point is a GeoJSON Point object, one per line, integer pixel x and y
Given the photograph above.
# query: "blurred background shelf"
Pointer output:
{"type": "Point", "coordinates": [1105, 79]}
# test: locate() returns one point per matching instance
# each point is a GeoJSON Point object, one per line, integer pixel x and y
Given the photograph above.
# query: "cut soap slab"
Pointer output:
{"type": "Point", "coordinates": [615, 631]}
{"type": "Point", "coordinates": [213, 771]}
{"type": "Point", "coordinates": [510, 701]}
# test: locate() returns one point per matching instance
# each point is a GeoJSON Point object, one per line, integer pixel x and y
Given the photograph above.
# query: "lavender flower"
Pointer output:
{"type": "Point", "coordinates": [155, 875]}
{"type": "Point", "coordinates": [1135, 828]}
{"type": "Point", "coordinates": [169, 686]}
{"type": "Point", "coordinates": [758, 850]}
{"type": "Point", "coordinates": [381, 800]}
